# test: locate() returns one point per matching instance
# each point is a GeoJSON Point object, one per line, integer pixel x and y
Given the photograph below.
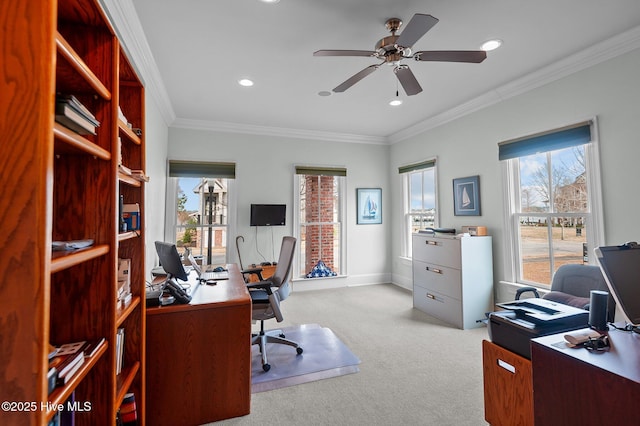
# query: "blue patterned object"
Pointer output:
{"type": "Point", "coordinates": [321, 270]}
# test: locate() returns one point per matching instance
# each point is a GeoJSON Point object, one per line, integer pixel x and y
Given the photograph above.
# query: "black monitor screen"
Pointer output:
{"type": "Point", "coordinates": [620, 266]}
{"type": "Point", "coordinates": [268, 214]}
{"type": "Point", "coordinates": [170, 260]}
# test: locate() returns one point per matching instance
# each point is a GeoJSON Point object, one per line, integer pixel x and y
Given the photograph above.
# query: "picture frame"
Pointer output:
{"type": "Point", "coordinates": [368, 206]}
{"type": "Point", "coordinates": [466, 196]}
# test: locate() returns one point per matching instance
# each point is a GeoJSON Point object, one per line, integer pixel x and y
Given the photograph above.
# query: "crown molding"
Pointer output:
{"type": "Point", "coordinates": [124, 18]}
{"type": "Point", "coordinates": [126, 23]}
{"type": "Point", "coordinates": [596, 54]}
{"type": "Point", "coordinates": [225, 127]}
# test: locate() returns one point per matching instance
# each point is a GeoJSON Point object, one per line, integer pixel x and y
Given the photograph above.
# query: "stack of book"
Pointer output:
{"type": "Point", "coordinates": [71, 113]}
{"type": "Point", "coordinates": [67, 359]}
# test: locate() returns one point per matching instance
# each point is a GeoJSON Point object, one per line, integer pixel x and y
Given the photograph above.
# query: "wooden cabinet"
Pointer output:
{"type": "Point", "coordinates": [59, 185]}
{"type": "Point", "coordinates": [508, 392]}
{"type": "Point", "coordinates": [453, 278]}
{"type": "Point", "coordinates": [576, 386]}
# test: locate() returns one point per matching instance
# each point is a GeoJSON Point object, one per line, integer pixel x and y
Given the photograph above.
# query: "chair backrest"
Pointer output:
{"type": "Point", "coordinates": [280, 277]}
{"type": "Point", "coordinates": [578, 280]}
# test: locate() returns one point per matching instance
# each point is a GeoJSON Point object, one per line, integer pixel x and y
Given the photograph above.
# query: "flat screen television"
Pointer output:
{"type": "Point", "coordinates": [620, 266]}
{"type": "Point", "coordinates": [268, 214]}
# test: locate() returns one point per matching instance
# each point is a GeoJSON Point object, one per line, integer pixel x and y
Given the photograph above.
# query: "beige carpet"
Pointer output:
{"type": "Point", "coordinates": [415, 370]}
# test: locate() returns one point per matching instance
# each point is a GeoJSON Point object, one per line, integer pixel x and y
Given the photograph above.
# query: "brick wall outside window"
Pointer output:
{"type": "Point", "coordinates": [319, 207]}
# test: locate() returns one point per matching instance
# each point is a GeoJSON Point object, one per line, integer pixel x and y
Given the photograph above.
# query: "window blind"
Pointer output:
{"type": "Point", "coordinates": [417, 166]}
{"type": "Point", "coordinates": [321, 171]}
{"type": "Point", "coordinates": [198, 169]}
{"type": "Point", "coordinates": [577, 134]}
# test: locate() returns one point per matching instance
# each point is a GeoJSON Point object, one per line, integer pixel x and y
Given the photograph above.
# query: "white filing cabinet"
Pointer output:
{"type": "Point", "coordinates": [453, 278]}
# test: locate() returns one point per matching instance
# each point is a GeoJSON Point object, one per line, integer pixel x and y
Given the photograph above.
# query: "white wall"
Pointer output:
{"type": "Point", "coordinates": [156, 141]}
{"type": "Point", "coordinates": [468, 146]}
{"type": "Point", "coordinates": [264, 174]}
{"type": "Point", "coordinates": [464, 147]}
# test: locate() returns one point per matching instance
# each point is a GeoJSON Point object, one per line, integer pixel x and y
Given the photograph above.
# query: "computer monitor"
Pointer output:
{"type": "Point", "coordinates": [170, 260]}
{"type": "Point", "coordinates": [620, 266]}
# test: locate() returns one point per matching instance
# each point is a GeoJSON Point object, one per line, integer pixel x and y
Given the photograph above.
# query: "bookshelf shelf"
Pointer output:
{"type": "Point", "coordinates": [73, 143]}
{"type": "Point", "coordinates": [129, 180]}
{"type": "Point", "coordinates": [81, 67]}
{"type": "Point", "coordinates": [125, 378]}
{"type": "Point", "coordinates": [61, 260]}
{"type": "Point", "coordinates": [123, 313]}
{"type": "Point", "coordinates": [125, 130]}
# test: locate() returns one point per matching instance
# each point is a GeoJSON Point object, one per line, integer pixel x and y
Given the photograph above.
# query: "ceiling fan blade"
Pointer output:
{"type": "Point", "coordinates": [408, 80]}
{"type": "Point", "coordinates": [415, 29]}
{"type": "Point", "coordinates": [474, 56]}
{"type": "Point", "coordinates": [356, 78]}
{"type": "Point", "coordinates": [344, 53]}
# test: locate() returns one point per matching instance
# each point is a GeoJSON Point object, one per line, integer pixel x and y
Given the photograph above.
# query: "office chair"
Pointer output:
{"type": "Point", "coordinates": [266, 297]}
{"type": "Point", "coordinates": [571, 285]}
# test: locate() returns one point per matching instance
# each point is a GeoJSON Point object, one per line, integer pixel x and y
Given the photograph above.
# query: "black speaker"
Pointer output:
{"type": "Point", "coordinates": [598, 310]}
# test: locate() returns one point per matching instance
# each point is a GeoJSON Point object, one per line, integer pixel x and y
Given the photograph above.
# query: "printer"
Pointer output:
{"type": "Point", "coordinates": [523, 320]}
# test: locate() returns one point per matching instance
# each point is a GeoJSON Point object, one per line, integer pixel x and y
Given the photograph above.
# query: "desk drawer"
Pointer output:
{"type": "Point", "coordinates": [438, 305]}
{"type": "Point", "coordinates": [439, 251]}
{"type": "Point", "coordinates": [441, 279]}
{"type": "Point", "coordinates": [508, 387]}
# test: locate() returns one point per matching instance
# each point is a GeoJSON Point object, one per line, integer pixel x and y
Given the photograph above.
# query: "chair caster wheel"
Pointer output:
{"type": "Point", "coordinates": [299, 350]}
{"type": "Point", "coordinates": [266, 367]}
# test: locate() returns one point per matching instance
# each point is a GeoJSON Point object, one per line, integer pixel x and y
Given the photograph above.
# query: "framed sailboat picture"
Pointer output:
{"type": "Point", "coordinates": [466, 196]}
{"type": "Point", "coordinates": [369, 205]}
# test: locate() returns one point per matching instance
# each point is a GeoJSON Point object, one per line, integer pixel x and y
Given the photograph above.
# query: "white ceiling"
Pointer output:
{"type": "Point", "coordinates": [202, 47]}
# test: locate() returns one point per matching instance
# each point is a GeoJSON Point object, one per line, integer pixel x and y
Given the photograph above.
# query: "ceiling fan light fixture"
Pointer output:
{"type": "Point", "coordinates": [491, 45]}
{"type": "Point", "coordinates": [245, 82]}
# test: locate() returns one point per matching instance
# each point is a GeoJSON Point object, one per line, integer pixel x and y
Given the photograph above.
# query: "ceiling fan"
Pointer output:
{"type": "Point", "coordinates": [394, 48]}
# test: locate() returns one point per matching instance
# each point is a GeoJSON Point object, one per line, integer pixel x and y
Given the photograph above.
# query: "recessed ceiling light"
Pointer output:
{"type": "Point", "coordinates": [395, 102]}
{"type": "Point", "coordinates": [245, 82]}
{"type": "Point", "coordinates": [324, 93]}
{"type": "Point", "coordinates": [269, 1]}
{"type": "Point", "coordinates": [491, 45]}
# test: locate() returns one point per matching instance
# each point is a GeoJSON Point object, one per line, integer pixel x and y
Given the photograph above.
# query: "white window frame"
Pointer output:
{"type": "Point", "coordinates": [297, 273]}
{"type": "Point", "coordinates": [170, 213]}
{"type": "Point", "coordinates": [406, 214]}
{"type": "Point", "coordinates": [511, 196]}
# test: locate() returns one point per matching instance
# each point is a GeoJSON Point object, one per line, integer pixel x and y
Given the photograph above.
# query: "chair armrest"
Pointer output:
{"type": "Point", "coordinates": [526, 289]}
{"type": "Point", "coordinates": [255, 271]}
{"type": "Point", "coordinates": [264, 285]}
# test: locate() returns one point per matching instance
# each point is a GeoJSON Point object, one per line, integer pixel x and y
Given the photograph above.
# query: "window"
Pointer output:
{"type": "Point", "coordinates": [420, 201]}
{"type": "Point", "coordinates": [553, 211]}
{"type": "Point", "coordinates": [319, 219]}
{"type": "Point", "coordinates": [198, 208]}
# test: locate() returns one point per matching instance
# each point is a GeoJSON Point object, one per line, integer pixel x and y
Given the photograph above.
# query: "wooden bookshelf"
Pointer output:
{"type": "Point", "coordinates": [59, 185]}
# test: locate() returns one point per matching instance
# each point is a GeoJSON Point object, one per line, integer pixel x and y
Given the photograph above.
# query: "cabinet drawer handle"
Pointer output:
{"type": "Point", "coordinates": [434, 270]}
{"type": "Point", "coordinates": [431, 296]}
{"type": "Point", "coordinates": [431, 243]}
{"type": "Point", "coordinates": [507, 366]}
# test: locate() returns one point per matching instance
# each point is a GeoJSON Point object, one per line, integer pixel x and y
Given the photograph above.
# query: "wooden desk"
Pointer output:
{"type": "Point", "coordinates": [579, 387]}
{"type": "Point", "coordinates": [199, 355]}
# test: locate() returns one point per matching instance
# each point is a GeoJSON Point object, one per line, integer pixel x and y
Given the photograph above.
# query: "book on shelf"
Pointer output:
{"type": "Point", "coordinates": [72, 114]}
{"type": "Point", "coordinates": [74, 103]}
{"type": "Point", "coordinates": [124, 169]}
{"type": "Point", "coordinates": [67, 365]}
{"type": "Point", "coordinates": [119, 350]}
{"type": "Point", "coordinates": [92, 347]}
{"type": "Point", "coordinates": [139, 175]}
